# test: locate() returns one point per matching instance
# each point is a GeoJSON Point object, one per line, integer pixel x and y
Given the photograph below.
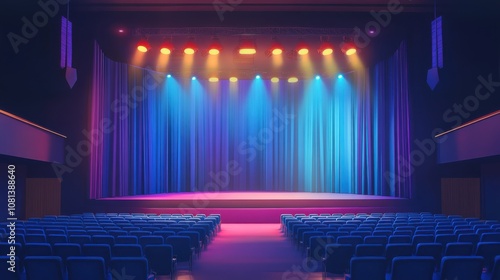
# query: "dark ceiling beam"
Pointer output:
{"type": "Point", "coordinates": [250, 5]}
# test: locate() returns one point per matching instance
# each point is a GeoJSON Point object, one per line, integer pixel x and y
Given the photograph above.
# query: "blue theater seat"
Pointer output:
{"type": "Point", "coordinates": [85, 268]}
{"type": "Point", "coordinates": [132, 267]}
{"type": "Point", "coordinates": [43, 268]}
{"type": "Point", "coordinates": [460, 267]}
{"type": "Point", "coordinates": [412, 268]}
{"type": "Point", "coordinates": [160, 259]}
{"type": "Point", "coordinates": [363, 268]}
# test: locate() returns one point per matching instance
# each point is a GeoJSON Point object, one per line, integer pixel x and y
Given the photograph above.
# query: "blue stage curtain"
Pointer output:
{"type": "Point", "coordinates": [157, 134]}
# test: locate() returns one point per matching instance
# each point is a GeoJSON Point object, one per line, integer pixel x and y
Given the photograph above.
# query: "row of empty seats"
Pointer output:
{"type": "Point", "coordinates": [333, 239]}
{"type": "Point", "coordinates": [61, 245]}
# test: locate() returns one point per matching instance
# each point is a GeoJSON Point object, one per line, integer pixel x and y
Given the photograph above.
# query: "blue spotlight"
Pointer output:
{"type": "Point", "coordinates": [257, 77]}
{"type": "Point", "coordinates": [169, 76]}
{"type": "Point", "coordinates": [317, 77]}
{"type": "Point", "coordinates": [193, 78]}
{"type": "Point", "coordinates": [340, 76]}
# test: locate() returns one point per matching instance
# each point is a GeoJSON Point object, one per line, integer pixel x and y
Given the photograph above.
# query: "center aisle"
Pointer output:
{"type": "Point", "coordinates": [249, 252]}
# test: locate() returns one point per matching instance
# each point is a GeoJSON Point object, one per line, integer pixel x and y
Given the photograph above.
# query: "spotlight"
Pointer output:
{"type": "Point", "coordinates": [293, 79]}
{"type": "Point", "coordinates": [348, 47]}
{"type": "Point", "coordinates": [233, 79]}
{"type": "Point", "coordinates": [190, 47]}
{"type": "Point", "coordinates": [325, 48]}
{"type": "Point", "coordinates": [302, 48]}
{"type": "Point", "coordinates": [193, 78]}
{"type": "Point", "coordinates": [215, 47]}
{"type": "Point", "coordinates": [275, 80]}
{"type": "Point", "coordinates": [276, 48]}
{"type": "Point", "coordinates": [317, 77]}
{"type": "Point", "coordinates": [340, 76]}
{"type": "Point", "coordinates": [247, 47]}
{"type": "Point", "coordinates": [257, 76]}
{"type": "Point", "coordinates": [166, 47]}
{"type": "Point", "coordinates": [143, 46]}
{"type": "Point", "coordinates": [213, 79]}
{"type": "Point", "coordinates": [169, 76]}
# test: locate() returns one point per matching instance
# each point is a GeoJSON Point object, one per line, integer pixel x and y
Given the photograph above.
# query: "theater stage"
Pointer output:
{"type": "Point", "coordinates": [251, 207]}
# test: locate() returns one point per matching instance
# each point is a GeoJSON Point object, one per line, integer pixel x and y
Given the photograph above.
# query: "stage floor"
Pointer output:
{"type": "Point", "coordinates": [251, 207]}
{"type": "Point", "coordinates": [259, 196]}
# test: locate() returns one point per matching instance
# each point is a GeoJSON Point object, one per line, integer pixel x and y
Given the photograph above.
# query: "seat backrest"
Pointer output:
{"type": "Point", "coordinates": [35, 238]}
{"type": "Point", "coordinates": [43, 267]}
{"type": "Point", "coordinates": [469, 237]}
{"type": "Point", "coordinates": [445, 239]}
{"type": "Point", "coordinates": [132, 267]}
{"type": "Point", "coordinates": [139, 233]}
{"type": "Point", "coordinates": [127, 239]}
{"type": "Point", "coordinates": [412, 268]}
{"type": "Point", "coordinates": [80, 239]}
{"type": "Point", "coordinates": [396, 250]}
{"type": "Point", "coordinates": [150, 239]}
{"type": "Point", "coordinates": [458, 249]}
{"type": "Point", "coordinates": [126, 250]}
{"type": "Point", "coordinates": [369, 250]}
{"type": "Point", "coordinates": [337, 257]}
{"type": "Point", "coordinates": [65, 250]}
{"type": "Point", "coordinates": [400, 239]}
{"type": "Point", "coordinates": [462, 267]}
{"type": "Point", "coordinates": [317, 245]}
{"type": "Point", "coordinates": [160, 258]}
{"type": "Point", "coordinates": [98, 250]}
{"type": "Point", "coordinates": [84, 268]}
{"type": "Point", "coordinates": [182, 247]}
{"type": "Point", "coordinates": [103, 239]}
{"type": "Point", "coordinates": [382, 240]}
{"type": "Point", "coordinates": [353, 240]}
{"type": "Point", "coordinates": [194, 235]}
{"type": "Point", "coordinates": [305, 238]}
{"type": "Point", "coordinates": [57, 238]}
{"type": "Point", "coordinates": [361, 233]}
{"type": "Point", "coordinates": [372, 268]}
{"type": "Point", "coordinates": [488, 250]}
{"type": "Point", "coordinates": [495, 275]}
{"type": "Point", "coordinates": [10, 268]}
{"type": "Point", "coordinates": [37, 249]}
{"type": "Point", "coordinates": [490, 237]}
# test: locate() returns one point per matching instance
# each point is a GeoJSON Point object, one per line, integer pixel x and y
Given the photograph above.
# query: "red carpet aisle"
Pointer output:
{"type": "Point", "coordinates": [249, 252]}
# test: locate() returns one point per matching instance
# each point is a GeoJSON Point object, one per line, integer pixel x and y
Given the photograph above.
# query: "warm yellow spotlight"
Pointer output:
{"type": "Point", "coordinates": [165, 51]}
{"type": "Point", "coordinates": [233, 79]}
{"type": "Point", "coordinates": [215, 47]}
{"type": "Point", "coordinates": [303, 51]}
{"type": "Point", "coordinates": [247, 47]}
{"type": "Point", "coordinates": [348, 48]}
{"type": "Point", "coordinates": [189, 51]}
{"type": "Point", "coordinates": [350, 51]}
{"type": "Point", "coordinates": [248, 51]}
{"type": "Point", "coordinates": [275, 80]}
{"type": "Point", "coordinates": [213, 79]}
{"type": "Point", "coordinates": [293, 79]}
{"type": "Point", "coordinates": [143, 46]}
{"type": "Point", "coordinates": [277, 51]}
{"type": "Point", "coordinates": [166, 47]}
{"type": "Point", "coordinates": [326, 48]}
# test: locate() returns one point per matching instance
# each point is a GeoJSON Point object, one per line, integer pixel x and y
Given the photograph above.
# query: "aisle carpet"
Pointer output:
{"type": "Point", "coordinates": [250, 252]}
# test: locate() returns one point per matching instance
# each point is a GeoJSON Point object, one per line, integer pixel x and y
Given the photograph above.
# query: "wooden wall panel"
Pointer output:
{"type": "Point", "coordinates": [43, 197]}
{"type": "Point", "coordinates": [461, 196]}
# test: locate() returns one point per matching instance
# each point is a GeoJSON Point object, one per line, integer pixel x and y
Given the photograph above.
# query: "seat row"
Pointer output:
{"type": "Point", "coordinates": [415, 268]}
{"type": "Point", "coordinates": [158, 261]}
